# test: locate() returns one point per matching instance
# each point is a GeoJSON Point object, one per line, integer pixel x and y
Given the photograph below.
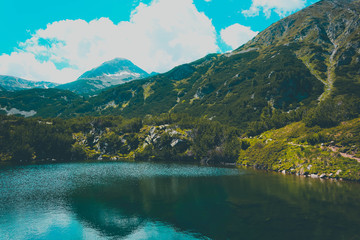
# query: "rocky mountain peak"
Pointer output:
{"type": "Point", "coordinates": [112, 67]}
{"type": "Point", "coordinates": [114, 72]}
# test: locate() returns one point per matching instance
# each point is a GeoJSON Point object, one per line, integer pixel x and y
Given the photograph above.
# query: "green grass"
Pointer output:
{"type": "Point", "coordinates": [299, 149]}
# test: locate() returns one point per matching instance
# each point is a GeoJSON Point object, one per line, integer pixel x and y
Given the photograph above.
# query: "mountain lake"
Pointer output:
{"type": "Point", "coordinates": [172, 201]}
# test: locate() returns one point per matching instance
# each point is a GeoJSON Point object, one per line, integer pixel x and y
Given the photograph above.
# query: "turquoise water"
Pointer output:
{"type": "Point", "coordinates": [169, 201]}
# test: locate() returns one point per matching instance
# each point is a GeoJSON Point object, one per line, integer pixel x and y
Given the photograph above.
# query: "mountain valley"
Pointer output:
{"type": "Point", "coordinates": [301, 75]}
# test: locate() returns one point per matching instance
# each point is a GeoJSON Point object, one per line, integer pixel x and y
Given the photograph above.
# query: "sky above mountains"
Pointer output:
{"type": "Point", "coordinates": [59, 40]}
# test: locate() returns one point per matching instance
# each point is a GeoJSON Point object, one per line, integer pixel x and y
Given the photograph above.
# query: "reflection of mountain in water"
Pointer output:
{"type": "Point", "coordinates": [218, 207]}
{"type": "Point", "coordinates": [104, 218]}
{"type": "Point", "coordinates": [124, 207]}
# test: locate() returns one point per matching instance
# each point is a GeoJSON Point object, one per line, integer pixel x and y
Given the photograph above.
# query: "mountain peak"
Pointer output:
{"type": "Point", "coordinates": [109, 73]}
{"type": "Point", "coordinates": [118, 60]}
{"type": "Point", "coordinates": [114, 66]}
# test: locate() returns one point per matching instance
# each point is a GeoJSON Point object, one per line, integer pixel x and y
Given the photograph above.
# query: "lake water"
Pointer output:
{"type": "Point", "coordinates": [169, 201]}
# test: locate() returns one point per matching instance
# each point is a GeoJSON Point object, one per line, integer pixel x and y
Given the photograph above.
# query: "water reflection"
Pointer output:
{"type": "Point", "coordinates": [224, 207]}
{"type": "Point", "coordinates": [156, 201]}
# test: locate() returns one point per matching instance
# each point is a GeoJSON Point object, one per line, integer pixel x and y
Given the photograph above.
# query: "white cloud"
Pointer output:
{"type": "Point", "coordinates": [25, 65]}
{"type": "Point", "coordinates": [281, 7]}
{"type": "Point", "coordinates": [236, 35]}
{"type": "Point", "coordinates": [158, 36]}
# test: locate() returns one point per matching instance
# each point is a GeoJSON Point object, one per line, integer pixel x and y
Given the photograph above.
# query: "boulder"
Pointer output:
{"type": "Point", "coordinates": [174, 142]}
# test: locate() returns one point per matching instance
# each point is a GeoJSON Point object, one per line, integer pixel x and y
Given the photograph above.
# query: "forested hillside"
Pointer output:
{"type": "Point", "coordinates": [288, 100]}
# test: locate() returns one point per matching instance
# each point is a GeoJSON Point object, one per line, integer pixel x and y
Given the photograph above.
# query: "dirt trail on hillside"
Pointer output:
{"type": "Point", "coordinates": [336, 149]}
{"type": "Point", "coordinates": [332, 148]}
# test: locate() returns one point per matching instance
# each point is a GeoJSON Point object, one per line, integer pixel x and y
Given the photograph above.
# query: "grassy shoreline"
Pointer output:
{"type": "Point", "coordinates": [314, 152]}
{"type": "Point", "coordinates": [295, 149]}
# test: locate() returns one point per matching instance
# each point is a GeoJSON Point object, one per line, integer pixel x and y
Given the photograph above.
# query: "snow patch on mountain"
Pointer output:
{"type": "Point", "coordinates": [15, 111]}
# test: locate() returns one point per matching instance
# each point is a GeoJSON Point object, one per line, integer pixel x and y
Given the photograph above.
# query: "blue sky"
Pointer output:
{"type": "Point", "coordinates": [59, 40]}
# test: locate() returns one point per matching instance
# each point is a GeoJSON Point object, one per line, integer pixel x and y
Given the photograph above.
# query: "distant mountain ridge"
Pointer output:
{"type": "Point", "coordinates": [110, 73]}
{"type": "Point", "coordinates": [11, 83]}
{"type": "Point", "coordinates": [298, 62]}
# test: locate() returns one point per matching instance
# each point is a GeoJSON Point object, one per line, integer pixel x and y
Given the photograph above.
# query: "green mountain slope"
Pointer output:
{"type": "Point", "coordinates": [40, 102]}
{"type": "Point", "coordinates": [231, 88]}
{"type": "Point", "coordinates": [309, 56]}
{"type": "Point", "coordinates": [325, 37]}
